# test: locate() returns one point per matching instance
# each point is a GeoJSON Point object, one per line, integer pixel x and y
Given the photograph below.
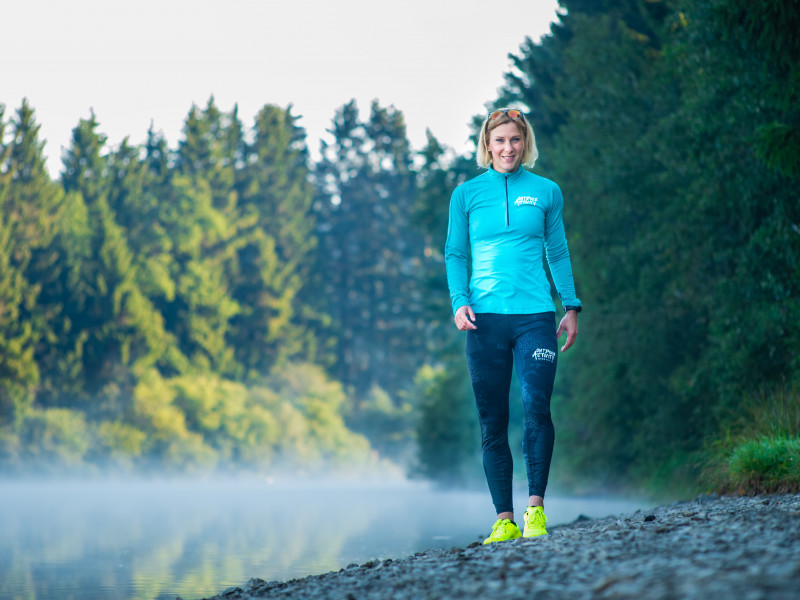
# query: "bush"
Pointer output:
{"type": "Point", "coordinates": [767, 465]}
{"type": "Point", "coordinates": [310, 415]}
{"type": "Point", "coordinates": [56, 436]}
{"type": "Point", "coordinates": [760, 449]}
{"type": "Point", "coordinates": [448, 436]}
{"type": "Point", "coordinates": [386, 423]}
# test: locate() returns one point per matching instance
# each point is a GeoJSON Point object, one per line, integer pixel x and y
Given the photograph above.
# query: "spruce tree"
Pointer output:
{"type": "Point", "coordinates": [138, 210]}
{"type": "Point", "coordinates": [199, 214]}
{"type": "Point", "coordinates": [30, 205]}
{"type": "Point", "coordinates": [110, 331]}
{"type": "Point", "coordinates": [680, 193]}
{"type": "Point", "coordinates": [439, 174]}
{"type": "Point", "coordinates": [370, 253]}
{"type": "Point", "coordinates": [274, 240]}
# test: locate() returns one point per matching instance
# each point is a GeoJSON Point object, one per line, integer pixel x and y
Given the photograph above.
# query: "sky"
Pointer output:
{"type": "Point", "coordinates": [147, 61]}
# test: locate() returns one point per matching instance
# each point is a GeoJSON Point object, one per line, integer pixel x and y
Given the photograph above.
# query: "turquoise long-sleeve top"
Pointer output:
{"type": "Point", "coordinates": [504, 220]}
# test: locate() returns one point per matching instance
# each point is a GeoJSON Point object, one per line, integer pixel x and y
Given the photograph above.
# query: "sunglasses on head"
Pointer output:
{"type": "Point", "coordinates": [512, 114]}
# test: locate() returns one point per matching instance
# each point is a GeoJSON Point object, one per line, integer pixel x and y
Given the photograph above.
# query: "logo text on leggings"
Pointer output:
{"type": "Point", "coordinates": [544, 354]}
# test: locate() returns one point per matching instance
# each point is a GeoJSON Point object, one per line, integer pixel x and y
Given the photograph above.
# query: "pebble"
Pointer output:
{"type": "Point", "coordinates": [712, 547]}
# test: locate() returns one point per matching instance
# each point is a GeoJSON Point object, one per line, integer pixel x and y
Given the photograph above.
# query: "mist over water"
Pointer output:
{"type": "Point", "coordinates": [190, 538]}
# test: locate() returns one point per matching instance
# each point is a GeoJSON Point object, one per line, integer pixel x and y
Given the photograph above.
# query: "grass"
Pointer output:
{"type": "Point", "coordinates": [768, 465]}
{"type": "Point", "coordinates": [760, 451]}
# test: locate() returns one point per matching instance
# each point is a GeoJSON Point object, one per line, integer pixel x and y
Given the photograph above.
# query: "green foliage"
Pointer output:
{"type": "Point", "coordinates": [679, 202]}
{"type": "Point", "coordinates": [275, 242]}
{"type": "Point", "coordinates": [775, 413]}
{"type": "Point", "coordinates": [766, 466]}
{"type": "Point", "coordinates": [29, 209]}
{"type": "Point", "coordinates": [312, 406]}
{"type": "Point", "coordinates": [448, 437]}
{"type": "Point", "coordinates": [107, 329]}
{"type": "Point", "coordinates": [153, 410]}
{"type": "Point", "coordinates": [768, 30]}
{"type": "Point", "coordinates": [151, 305]}
{"type": "Point", "coordinates": [387, 424]}
{"type": "Point", "coordinates": [756, 451]}
{"type": "Point", "coordinates": [164, 306]}
{"type": "Point", "coordinates": [440, 173]}
{"type": "Point", "coordinates": [292, 421]}
{"type": "Point", "coordinates": [54, 437]}
{"type": "Point", "coordinates": [369, 252]}
{"type": "Point", "coordinates": [120, 442]}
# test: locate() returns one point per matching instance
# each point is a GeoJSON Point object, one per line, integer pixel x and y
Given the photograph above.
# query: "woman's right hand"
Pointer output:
{"type": "Point", "coordinates": [465, 318]}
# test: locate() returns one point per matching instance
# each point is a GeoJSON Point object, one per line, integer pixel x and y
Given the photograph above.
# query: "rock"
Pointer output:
{"type": "Point", "coordinates": [705, 498]}
{"type": "Point", "coordinates": [733, 547]}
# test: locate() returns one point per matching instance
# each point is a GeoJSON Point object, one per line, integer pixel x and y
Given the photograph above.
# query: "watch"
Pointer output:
{"type": "Point", "coordinates": [575, 308]}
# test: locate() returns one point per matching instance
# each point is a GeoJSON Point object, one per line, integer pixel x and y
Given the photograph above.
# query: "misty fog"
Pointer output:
{"type": "Point", "coordinates": [159, 538]}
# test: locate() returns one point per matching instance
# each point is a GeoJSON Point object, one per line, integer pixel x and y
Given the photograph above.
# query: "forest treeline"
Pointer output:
{"type": "Point", "coordinates": [230, 301]}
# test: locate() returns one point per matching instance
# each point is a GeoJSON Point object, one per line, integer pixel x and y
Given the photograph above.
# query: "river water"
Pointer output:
{"type": "Point", "coordinates": [161, 539]}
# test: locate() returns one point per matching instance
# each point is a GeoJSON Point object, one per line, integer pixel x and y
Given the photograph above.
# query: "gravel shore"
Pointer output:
{"type": "Point", "coordinates": [710, 547]}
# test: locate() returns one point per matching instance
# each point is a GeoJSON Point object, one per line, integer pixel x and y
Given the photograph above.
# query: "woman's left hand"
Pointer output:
{"type": "Point", "coordinates": [569, 323]}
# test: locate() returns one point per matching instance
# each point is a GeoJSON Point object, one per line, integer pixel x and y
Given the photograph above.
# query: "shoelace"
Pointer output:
{"type": "Point", "coordinates": [500, 526]}
{"type": "Point", "coordinates": [536, 519]}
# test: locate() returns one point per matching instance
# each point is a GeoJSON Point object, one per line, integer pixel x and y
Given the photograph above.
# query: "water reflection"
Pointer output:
{"type": "Point", "coordinates": [138, 539]}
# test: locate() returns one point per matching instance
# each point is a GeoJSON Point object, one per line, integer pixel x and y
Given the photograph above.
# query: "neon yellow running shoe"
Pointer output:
{"type": "Point", "coordinates": [502, 530]}
{"type": "Point", "coordinates": [535, 522]}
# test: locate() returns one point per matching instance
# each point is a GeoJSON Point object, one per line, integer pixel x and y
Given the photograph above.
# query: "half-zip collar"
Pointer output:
{"type": "Point", "coordinates": [513, 176]}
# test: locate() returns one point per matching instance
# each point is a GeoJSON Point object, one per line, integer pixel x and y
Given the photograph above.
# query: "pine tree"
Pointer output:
{"type": "Point", "coordinates": [138, 210]}
{"type": "Point", "coordinates": [370, 254]}
{"type": "Point", "coordinates": [211, 149]}
{"type": "Point", "coordinates": [108, 330]}
{"type": "Point", "coordinates": [16, 345]}
{"type": "Point", "coordinates": [274, 241]}
{"type": "Point", "coordinates": [439, 174]}
{"type": "Point", "coordinates": [30, 204]}
{"type": "Point", "coordinates": [679, 200]}
{"type": "Point", "coordinates": [198, 213]}
{"type": "Point", "coordinates": [590, 111]}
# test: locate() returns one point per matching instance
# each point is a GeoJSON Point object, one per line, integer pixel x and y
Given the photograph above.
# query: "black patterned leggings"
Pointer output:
{"type": "Point", "coordinates": [529, 342]}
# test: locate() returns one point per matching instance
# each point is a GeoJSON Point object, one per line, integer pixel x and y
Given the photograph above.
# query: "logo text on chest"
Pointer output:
{"type": "Point", "coordinates": [525, 200]}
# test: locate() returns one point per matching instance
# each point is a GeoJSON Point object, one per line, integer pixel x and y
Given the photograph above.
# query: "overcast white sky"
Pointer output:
{"type": "Point", "coordinates": [133, 62]}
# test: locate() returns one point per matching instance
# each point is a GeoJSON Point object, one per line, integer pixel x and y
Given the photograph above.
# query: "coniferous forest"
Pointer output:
{"type": "Point", "coordinates": [230, 303]}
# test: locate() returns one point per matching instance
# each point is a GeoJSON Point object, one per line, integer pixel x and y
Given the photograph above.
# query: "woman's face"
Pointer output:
{"type": "Point", "coordinates": [505, 147]}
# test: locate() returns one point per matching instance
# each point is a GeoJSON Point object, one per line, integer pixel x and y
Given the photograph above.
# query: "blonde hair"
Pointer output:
{"type": "Point", "coordinates": [529, 151]}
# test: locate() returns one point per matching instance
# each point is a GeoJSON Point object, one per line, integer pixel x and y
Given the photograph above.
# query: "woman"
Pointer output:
{"type": "Point", "coordinates": [505, 217]}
